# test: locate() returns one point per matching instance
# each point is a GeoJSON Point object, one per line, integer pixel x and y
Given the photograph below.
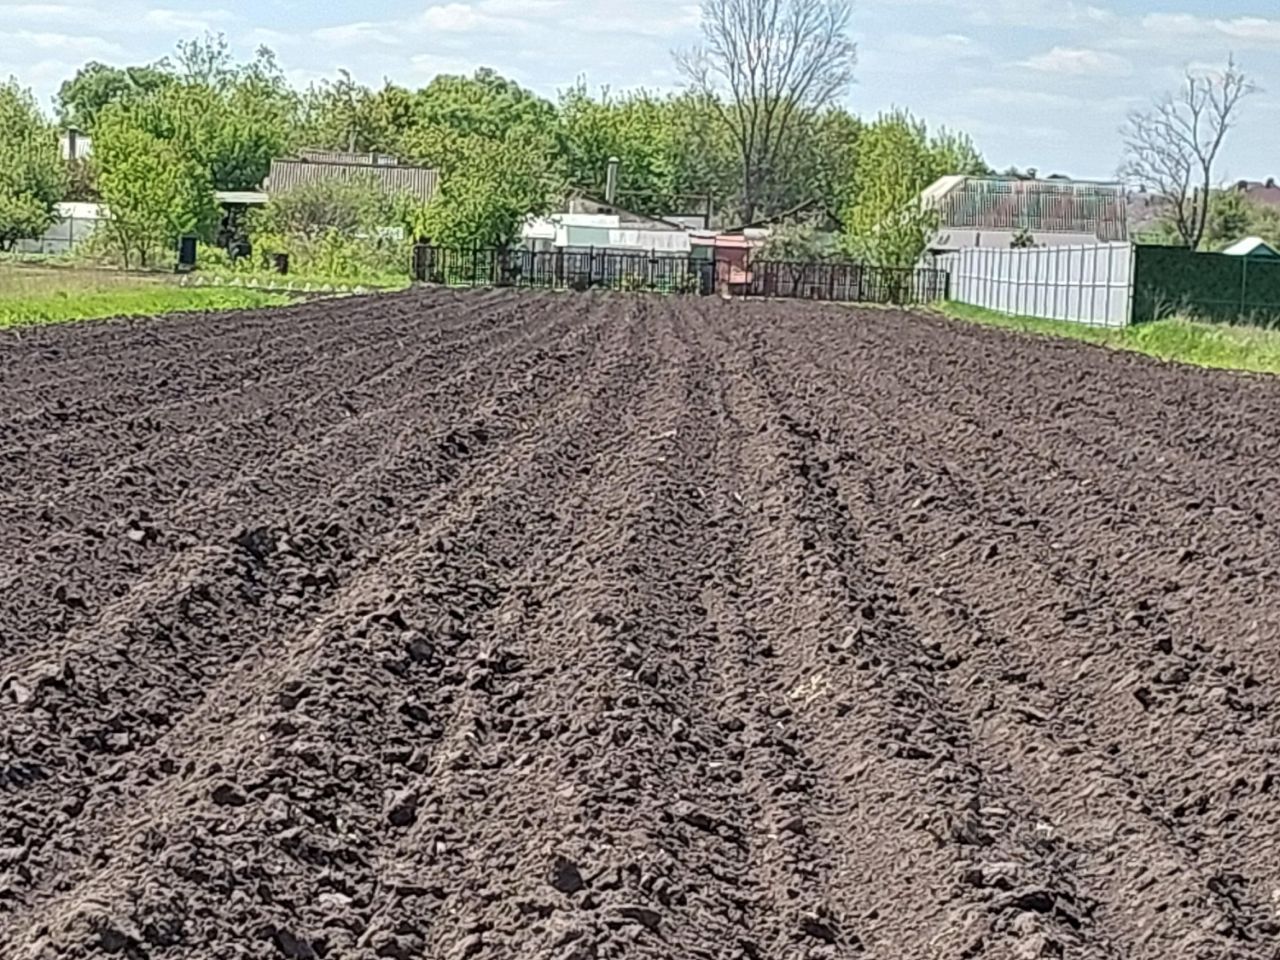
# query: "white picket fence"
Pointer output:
{"type": "Point", "coordinates": [1092, 285]}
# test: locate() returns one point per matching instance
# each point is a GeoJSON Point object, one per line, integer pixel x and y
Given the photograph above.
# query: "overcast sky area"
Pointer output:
{"type": "Point", "coordinates": [1037, 83]}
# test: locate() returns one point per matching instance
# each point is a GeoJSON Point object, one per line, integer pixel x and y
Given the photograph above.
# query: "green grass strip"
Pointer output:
{"type": "Point", "coordinates": [1217, 346]}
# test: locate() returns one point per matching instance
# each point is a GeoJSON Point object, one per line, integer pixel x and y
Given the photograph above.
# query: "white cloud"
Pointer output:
{"type": "Point", "coordinates": [455, 18]}
{"type": "Point", "coordinates": [1079, 63]}
{"type": "Point", "coordinates": [164, 18]}
{"type": "Point", "coordinates": [43, 14]}
{"type": "Point", "coordinates": [941, 46]}
{"type": "Point", "coordinates": [355, 34]}
{"type": "Point", "coordinates": [682, 21]}
{"type": "Point", "coordinates": [69, 45]}
{"type": "Point", "coordinates": [1040, 14]}
{"type": "Point", "coordinates": [524, 9]}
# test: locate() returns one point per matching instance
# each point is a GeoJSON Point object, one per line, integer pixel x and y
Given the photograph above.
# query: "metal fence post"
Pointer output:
{"type": "Point", "coordinates": [1244, 283]}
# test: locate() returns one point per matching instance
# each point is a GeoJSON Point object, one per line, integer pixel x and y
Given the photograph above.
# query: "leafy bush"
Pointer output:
{"type": "Point", "coordinates": [32, 176]}
{"type": "Point", "coordinates": [154, 192]}
{"type": "Point", "coordinates": [349, 231]}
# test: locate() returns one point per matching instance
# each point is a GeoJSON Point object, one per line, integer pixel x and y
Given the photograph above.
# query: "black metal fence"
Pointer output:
{"type": "Point", "coordinates": [846, 282]}
{"type": "Point", "coordinates": [563, 270]}
{"type": "Point", "coordinates": [615, 270]}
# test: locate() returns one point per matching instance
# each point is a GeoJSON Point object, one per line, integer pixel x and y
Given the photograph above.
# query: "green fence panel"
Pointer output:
{"type": "Point", "coordinates": [1172, 281]}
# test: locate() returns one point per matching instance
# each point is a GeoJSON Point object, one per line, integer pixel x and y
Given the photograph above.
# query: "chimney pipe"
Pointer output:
{"type": "Point", "coordinates": [611, 182]}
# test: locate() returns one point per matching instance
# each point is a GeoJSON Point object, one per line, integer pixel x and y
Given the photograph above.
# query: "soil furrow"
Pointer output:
{"type": "Point", "coordinates": [471, 625]}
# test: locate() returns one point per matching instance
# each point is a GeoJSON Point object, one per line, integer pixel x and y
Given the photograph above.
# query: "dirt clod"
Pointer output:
{"type": "Point", "coordinates": [565, 876]}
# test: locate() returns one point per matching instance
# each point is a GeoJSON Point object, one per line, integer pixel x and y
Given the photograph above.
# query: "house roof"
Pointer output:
{"type": "Point", "coordinates": [246, 198]}
{"type": "Point", "coordinates": [343, 156]}
{"type": "Point", "coordinates": [809, 206]}
{"type": "Point", "coordinates": [598, 207]}
{"type": "Point", "coordinates": [287, 174]}
{"type": "Point", "coordinates": [1252, 247]}
{"type": "Point", "coordinates": [1039, 206]}
{"type": "Point", "coordinates": [1259, 191]}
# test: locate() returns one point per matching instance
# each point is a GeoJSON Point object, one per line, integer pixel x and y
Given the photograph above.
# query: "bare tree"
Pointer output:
{"type": "Point", "coordinates": [1171, 149]}
{"type": "Point", "coordinates": [767, 65]}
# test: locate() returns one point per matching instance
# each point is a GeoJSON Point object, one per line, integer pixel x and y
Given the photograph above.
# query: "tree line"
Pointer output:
{"type": "Point", "coordinates": [758, 129]}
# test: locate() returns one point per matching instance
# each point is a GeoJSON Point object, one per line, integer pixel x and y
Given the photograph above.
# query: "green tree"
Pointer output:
{"type": "Point", "coordinates": [153, 190]}
{"type": "Point", "coordinates": [484, 106]}
{"type": "Point", "coordinates": [802, 241]}
{"type": "Point", "coordinates": [95, 85]}
{"type": "Point", "coordinates": [831, 141]}
{"type": "Point", "coordinates": [231, 124]}
{"type": "Point", "coordinates": [340, 229]}
{"type": "Point", "coordinates": [205, 60]}
{"type": "Point", "coordinates": [1231, 218]}
{"type": "Point", "coordinates": [637, 130]}
{"type": "Point", "coordinates": [673, 150]}
{"type": "Point", "coordinates": [885, 220]}
{"type": "Point", "coordinates": [488, 186]}
{"type": "Point", "coordinates": [32, 174]}
{"type": "Point", "coordinates": [309, 209]}
{"type": "Point", "coordinates": [344, 115]}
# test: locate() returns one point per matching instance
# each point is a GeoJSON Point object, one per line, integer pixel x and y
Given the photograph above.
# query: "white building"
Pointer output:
{"type": "Point", "coordinates": [992, 211]}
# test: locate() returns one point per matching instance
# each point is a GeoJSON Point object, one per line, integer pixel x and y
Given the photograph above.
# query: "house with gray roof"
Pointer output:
{"type": "Point", "coordinates": [992, 211]}
{"type": "Point", "coordinates": [287, 174]}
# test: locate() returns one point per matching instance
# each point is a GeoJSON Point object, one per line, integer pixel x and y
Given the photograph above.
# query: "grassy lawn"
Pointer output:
{"type": "Point", "coordinates": [30, 295]}
{"type": "Point", "coordinates": [1182, 341]}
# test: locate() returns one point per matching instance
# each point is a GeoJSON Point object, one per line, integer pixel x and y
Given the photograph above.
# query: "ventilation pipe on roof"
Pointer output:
{"type": "Point", "coordinates": [611, 182]}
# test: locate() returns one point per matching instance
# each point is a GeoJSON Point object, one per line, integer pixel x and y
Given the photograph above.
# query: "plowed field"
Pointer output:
{"type": "Point", "coordinates": [487, 625]}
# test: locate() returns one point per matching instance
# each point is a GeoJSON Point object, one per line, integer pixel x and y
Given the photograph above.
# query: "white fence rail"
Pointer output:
{"type": "Point", "coordinates": [1092, 285]}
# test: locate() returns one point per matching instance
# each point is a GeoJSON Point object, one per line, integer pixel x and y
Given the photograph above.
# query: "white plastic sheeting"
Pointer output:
{"type": "Point", "coordinates": [1086, 284]}
{"type": "Point", "coordinates": [656, 241]}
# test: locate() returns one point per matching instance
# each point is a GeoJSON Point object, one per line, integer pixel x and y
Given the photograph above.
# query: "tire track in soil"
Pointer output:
{"type": "Point", "coordinates": [358, 593]}
{"type": "Point", "coordinates": [67, 409]}
{"type": "Point", "coordinates": [138, 537]}
{"type": "Point", "coordinates": [123, 367]}
{"type": "Point", "coordinates": [615, 805]}
{"type": "Point", "coordinates": [795, 812]}
{"type": "Point", "coordinates": [1022, 704]}
{"type": "Point", "coordinates": [154, 420]}
{"type": "Point", "coordinates": [1198, 829]}
{"type": "Point", "coordinates": [141, 486]}
{"type": "Point", "coordinates": [974, 832]}
{"type": "Point", "coordinates": [115, 674]}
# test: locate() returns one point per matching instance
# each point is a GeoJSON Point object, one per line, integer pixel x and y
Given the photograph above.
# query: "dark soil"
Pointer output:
{"type": "Point", "coordinates": [489, 625]}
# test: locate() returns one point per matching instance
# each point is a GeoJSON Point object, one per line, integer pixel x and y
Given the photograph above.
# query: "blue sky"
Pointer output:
{"type": "Point", "coordinates": [1043, 83]}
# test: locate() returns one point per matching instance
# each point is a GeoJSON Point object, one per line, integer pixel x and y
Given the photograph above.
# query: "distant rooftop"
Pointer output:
{"type": "Point", "coordinates": [1038, 206]}
{"type": "Point", "coordinates": [285, 175]}
{"type": "Point", "coordinates": [1260, 191]}
{"type": "Point", "coordinates": [341, 156]}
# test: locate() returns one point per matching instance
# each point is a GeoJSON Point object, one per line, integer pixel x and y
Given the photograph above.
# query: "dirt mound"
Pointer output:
{"type": "Point", "coordinates": [584, 627]}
